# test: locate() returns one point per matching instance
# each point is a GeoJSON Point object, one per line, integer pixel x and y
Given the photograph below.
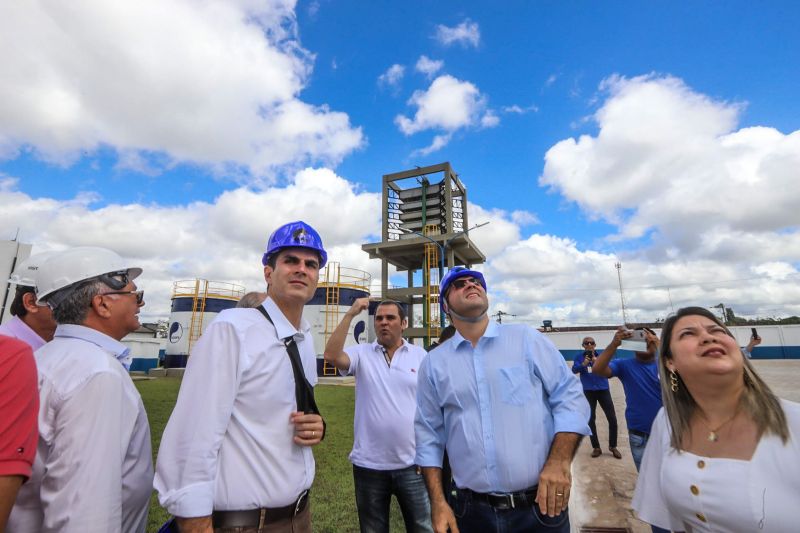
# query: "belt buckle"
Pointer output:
{"type": "Point", "coordinates": [303, 495]}
{"type": "Point", "coordinates": [504, 501]}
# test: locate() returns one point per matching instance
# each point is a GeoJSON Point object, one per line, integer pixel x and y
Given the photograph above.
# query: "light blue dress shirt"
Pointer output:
{"type": "Point", "coordinates": [496, 407]}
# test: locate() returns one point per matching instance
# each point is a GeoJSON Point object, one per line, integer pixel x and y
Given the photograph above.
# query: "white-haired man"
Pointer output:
{"type": "Point", "coordinates": [93, 470]}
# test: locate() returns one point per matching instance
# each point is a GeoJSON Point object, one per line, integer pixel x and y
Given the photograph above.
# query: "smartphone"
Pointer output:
{"type": "Point", "coordinates": [638, 335]}
{"type": "Point", "coordinates": [754, 333]}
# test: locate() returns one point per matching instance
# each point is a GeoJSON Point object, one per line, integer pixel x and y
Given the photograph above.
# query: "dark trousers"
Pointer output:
{"type": "Point", "coordinates": [604, 398]}
{"type": "Point", "coordinates": [374, 489]}
{"type": "Point", "coordinates": [474, 516]}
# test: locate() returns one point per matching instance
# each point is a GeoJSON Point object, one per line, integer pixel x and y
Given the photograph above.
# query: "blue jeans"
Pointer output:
{"type": "Point", "coordinates": [475, 516]}
{"type": "Point", "coordinates": [374, 489]}
{"type": "Point", "coordinates": [638, 444]}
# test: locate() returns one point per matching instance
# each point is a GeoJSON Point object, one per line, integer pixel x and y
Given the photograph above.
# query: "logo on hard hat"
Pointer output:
{"type": "Point", "coordinates": [300, 236]}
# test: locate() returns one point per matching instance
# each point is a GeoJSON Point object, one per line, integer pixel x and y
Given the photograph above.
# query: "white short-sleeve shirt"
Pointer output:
{"type": "Point", "coordinates": [386, 400]}
{"type": "Point", "coordinates": [682, 491]}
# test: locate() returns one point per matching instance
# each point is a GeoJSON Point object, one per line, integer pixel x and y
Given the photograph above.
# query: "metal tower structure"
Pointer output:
{"type": "Point", "coordinates": [424, 228]}
{"type": "Point", "coordinates": [618, 266]}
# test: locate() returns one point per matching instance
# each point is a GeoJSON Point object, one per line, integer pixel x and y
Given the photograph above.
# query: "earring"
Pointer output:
{"type": "Point", "coordinates": [673, 381]}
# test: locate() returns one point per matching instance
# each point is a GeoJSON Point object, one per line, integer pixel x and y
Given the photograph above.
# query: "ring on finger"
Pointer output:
{"type": "Point", "coordinates": [313, 434]}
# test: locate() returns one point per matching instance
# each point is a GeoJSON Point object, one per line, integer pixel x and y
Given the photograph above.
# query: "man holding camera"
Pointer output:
{"type": "Point", "coordinates": [595, 388]}
{"type": "Point", "coordinates": [755, 340]}
{"type": "Point", "coordinates": [639, 377]}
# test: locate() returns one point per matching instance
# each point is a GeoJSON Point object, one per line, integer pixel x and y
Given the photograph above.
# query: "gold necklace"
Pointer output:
{"type": "Point", "coordinates": [712, 432]}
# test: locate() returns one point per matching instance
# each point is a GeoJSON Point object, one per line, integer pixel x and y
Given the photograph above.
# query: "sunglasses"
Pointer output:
{"type": "Point", "coordinates": [587, 343]}
{"type": "Point", "coordinates": [460, 283]}
{"type": "Point", "coordinates": [139, 295]}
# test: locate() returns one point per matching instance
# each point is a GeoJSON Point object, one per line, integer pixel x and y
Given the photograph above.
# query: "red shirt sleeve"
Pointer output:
{"type": "Point", "coordinates": [19, 407]}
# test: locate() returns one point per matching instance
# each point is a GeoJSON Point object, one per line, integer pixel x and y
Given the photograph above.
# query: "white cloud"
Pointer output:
{"type": "Point", "coordinates": [489, 119]}
{"type": "Point", "coordinates": [439, 142]}
{"type": "Point", "coordinates": [524, 218]}
{"type": "Point", "coordinates": [517, 110]}
{"type": "Point", "coordinates": [392, 76]}
{"type": "Point", "coordinates": [215, 83]}
{"type": "Point", "coordinates": [536, 277]}
{"type": "Point", "coordinates": [428, 66]}
{"type": "Point", "coordinates": [670, 163]}
{"type": "Point", "coordinates": [466, 34]}
{"type": "Point", "coordinates": [220, 240]}
{"type": "Point", "coordinates": [449, 104]}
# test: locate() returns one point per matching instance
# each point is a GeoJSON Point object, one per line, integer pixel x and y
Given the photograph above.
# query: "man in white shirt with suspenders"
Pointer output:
{"type": "Point", "coordinates": [236, 453]}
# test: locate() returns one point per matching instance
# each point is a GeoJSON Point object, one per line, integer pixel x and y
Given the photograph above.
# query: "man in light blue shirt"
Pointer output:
{"type": "Point", "coordinates": [503, 402]}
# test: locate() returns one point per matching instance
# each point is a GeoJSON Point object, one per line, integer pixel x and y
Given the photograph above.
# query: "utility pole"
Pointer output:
{"type": "Point", "coordinates": [618, 266]}
{"type": "Point", "coordinates": [721, 307]}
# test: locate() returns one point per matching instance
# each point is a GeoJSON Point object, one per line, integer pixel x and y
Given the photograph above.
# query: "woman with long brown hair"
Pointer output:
{"type": "Point", "coordinates": [724, 452]}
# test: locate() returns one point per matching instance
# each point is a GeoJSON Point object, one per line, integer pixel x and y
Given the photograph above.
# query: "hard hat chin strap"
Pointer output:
{"type": "Point", "coordinates": [469, 319]}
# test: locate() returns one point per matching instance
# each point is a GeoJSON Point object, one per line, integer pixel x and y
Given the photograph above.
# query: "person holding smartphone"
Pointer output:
{"type": "Point", "coordinates": [639, 377]}
{"type": "Point", "coordinates": [755, 340]}
{"type": "Point", "coordinates": [595, 388]}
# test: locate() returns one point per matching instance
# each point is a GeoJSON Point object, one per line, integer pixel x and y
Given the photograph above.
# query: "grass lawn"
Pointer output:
{"type": "Point", "coordinates": [333, 504]}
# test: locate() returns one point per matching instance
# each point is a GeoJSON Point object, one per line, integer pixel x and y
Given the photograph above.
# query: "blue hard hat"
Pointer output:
{"type": "Point", "coordinates": [452, 275]}
{"type": "Point", "coordinates": [295, 235]}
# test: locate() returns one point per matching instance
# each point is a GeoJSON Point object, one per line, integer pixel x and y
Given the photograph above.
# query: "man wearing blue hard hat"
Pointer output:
{"type": "Point", "coordinates": [502, 401]}
{"type": "Point", "coordinates": [236, 453]}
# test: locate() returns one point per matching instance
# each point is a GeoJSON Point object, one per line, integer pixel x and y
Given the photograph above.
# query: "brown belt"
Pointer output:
{"type": "Point", "coordinates": [258, 517]}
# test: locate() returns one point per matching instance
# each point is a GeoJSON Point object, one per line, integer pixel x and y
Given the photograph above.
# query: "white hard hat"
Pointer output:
{"type": "Point", "coordinates": [25, 272]}
{"type": "Point", "coordinates": [79, 264]}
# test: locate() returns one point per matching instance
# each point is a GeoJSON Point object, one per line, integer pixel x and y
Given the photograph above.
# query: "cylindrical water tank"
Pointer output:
{"type": "Point", "coordinates": [195, 303]}
{"type": "Point", "coordinates": [338, 288]}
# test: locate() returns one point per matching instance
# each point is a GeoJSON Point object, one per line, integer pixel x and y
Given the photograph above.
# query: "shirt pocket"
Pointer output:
{"type": "Point", "coordinates": [515, 385]}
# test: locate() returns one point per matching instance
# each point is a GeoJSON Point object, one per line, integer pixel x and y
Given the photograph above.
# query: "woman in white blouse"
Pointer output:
{"type": "Point", "coordinates": [724, 451]}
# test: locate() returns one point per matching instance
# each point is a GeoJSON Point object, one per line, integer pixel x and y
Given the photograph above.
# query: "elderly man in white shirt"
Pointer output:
{"type": "Point", "coordinates": [235, 455]}
{"type": "Point", "coordinates": [93, 469]}
{"type": "Point", "coordinates": [386, 400]}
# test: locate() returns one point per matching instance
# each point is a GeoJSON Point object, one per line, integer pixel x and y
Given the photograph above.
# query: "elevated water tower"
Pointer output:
{"type": "Point", "coordinates": [425, 227]}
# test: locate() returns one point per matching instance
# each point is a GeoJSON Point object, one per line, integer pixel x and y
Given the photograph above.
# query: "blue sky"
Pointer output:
{"type": "Point", "coordinates": [585, 132]}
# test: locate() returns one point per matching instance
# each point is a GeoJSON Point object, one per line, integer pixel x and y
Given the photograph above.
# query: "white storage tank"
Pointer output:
{"type": "Point", "coordinates": [338, 288]}
{"type": "Point", "coordinates": [195, 303]}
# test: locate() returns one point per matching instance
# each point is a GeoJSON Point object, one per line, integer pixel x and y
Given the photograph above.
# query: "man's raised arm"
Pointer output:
{"type": "Point", "coordinates": [334, 349]}
{"type": "Point", "coordinates": [600, 366]}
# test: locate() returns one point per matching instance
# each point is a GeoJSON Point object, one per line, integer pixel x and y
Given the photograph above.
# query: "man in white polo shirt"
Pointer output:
{"type": "Point", "coordinates": [386, 400]}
